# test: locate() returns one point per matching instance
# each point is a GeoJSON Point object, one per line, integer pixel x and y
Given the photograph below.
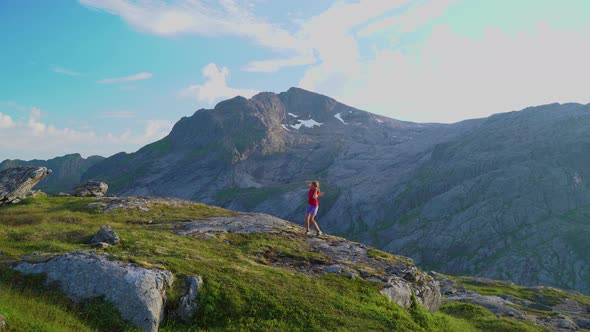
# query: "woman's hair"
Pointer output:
{"type": "Point", "coordinates": [316, 184]}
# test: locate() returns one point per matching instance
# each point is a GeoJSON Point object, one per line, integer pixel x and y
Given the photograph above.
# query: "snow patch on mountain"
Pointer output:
{"type": "Point", "coordinates": [339, 117]}
{"type": "Point", "coordinates": [306, 123]}
{"type": "Point", "coordinates": [293, 115]}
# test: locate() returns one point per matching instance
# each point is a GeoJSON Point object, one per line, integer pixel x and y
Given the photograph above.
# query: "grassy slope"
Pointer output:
{"type": "Point", "coordinates": [241, 292]}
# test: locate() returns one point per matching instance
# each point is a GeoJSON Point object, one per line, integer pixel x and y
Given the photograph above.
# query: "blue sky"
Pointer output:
{"type": "Point", "coordinates": [103, 76]}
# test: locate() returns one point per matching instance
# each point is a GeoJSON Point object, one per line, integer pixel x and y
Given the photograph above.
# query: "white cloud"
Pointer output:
{"type": "Point", "coordinates": [6, 121]}
{"type": "Point", "coordinates": [153, 130]}
{"type": "Point", "coordinates": [170, 18]}
{"type": "Point", "coordinates": [269, 66]}
{"type": "Point", "coordinates": [38, 139]}
{"type": "Point", "coordinates": [63, 71]}
{"type": "Point", "coordinates": [417, 16]}
{"type": "Point", "coordinates": [131, 78]}
{"type": "Point", "coordinates": [215, 87]}
{"type": "Point", "coordinates": [457, 77]}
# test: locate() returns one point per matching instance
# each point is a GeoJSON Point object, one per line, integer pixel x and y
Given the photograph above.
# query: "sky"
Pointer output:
{"type": "Point", "coordinates": [104, 76]}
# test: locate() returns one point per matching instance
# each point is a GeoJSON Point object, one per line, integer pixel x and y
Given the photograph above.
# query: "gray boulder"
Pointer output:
{"type": "Point", "coordinates": [91, 188]}
{"type": "Point", "coordinates": [105, 234]}
{"type": "Point", "coordinates": [16, 183]}
{"type": "Point", "coordinates": [398, 291]}
{"type": "Point", "coordinates": [187, 305]}
{"type": "Point", "coordinates": [583, 323]}
{"type": "Point", "coordinates": [137, 292]}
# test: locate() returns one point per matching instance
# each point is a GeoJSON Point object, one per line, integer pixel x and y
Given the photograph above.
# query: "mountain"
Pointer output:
{"type": "Point", "coordinates": [510, 200]}
{"type": "Point", "coordinates": [503, 197]}
{"type": "Point", "coordinates": [67, 170]}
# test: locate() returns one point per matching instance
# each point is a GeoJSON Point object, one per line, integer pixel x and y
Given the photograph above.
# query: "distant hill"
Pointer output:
{"type": "Point", "coordinates": [67, 170]}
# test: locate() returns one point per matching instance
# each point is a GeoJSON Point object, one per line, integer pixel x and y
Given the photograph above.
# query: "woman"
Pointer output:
{"type": "Point", "coordinates": [313, 206]}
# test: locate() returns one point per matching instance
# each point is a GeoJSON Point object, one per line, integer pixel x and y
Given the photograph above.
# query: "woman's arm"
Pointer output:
{"type": "Point", "coordinates": [318, 194]}
{"type": "Point", "coordinates": [308, 183]}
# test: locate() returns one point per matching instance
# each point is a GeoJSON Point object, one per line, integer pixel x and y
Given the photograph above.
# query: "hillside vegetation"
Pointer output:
{"type": "Point", "coordinates": [243, 289]}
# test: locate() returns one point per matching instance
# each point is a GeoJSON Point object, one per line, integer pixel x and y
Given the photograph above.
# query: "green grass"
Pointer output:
{"type": "Point", "coordinates": [546, 295]}
{"type": "Point", "coordinates": [245, 287]}
{"type": "Point", "coordinates": [29, 306]}
{"type": "Point", "coordinates": [242, 291]}
{"type": "Point", "coordinates": [481, 319]}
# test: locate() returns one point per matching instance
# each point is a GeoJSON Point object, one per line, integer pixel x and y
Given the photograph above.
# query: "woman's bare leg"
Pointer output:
{"type": "Point", "coordinates": [315, 223]}
{"type": "Point", "coordinates": [307, 218]}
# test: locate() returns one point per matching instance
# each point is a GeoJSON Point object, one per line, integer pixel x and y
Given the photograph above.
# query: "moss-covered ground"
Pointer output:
{"type": "Point", "coordinates": [242, 291]}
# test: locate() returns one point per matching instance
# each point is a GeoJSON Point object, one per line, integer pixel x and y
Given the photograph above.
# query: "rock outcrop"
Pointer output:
{"type": "Point", "coordinates": [105, 234]}
{"type": "Point", "coordinates": [242, 223]}
{"type": "Point", "coordinates": [91, 188]}
{"type": "Point", "coordinates": [137, 292]}
{"type": "Point", "coordinates": [187, 304]}
{"type": "Point", "coordinates": [108, 204]}
{"type": "Point", "coordinates": [16, 183]}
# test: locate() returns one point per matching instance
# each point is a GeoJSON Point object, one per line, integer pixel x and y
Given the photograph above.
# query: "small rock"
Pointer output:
{"type": "Point", "coordinates": [187, 305]}
{"type": "Point", "coordinates": [106, 234]}
{"type": "Point", "coordinates": [99, 245]}
{"type": "Point", "coordinates": [333, 269]}
{"type": "Point", "coordinates": [35, 193]}
{"type": "Point", "coordinates": [61, 194]}
{"type": "Point", "coordinates": [2, 322]}
{"type": "Point", "coordinates": [539, 306]}
{"type": "Point", "coordinates": [566, 324]}
{"type": "Point", "coordinates": [583, 323]}
{"type": "Point", "coordinates": [91, 188]}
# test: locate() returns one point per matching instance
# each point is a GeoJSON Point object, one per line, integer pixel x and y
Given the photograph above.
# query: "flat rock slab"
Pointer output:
{"type": "Point", "coordinates": [137, 292]}
{"type": "Point", "coordinates": [242, 223]}
{"type": "Point", "coordinates": [107, 204]}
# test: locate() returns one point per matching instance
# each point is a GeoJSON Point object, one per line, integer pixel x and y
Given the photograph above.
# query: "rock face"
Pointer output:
{"type": "Point", "coordinates": [489, 201]}
{"type": "Point", "coordinates": [105, 234]}
{"type": "Point", "coordinates": [16, 183]}
{"type": "Point", "coordinates": [91, 188]}
{"type": "Point", "coordinates": [67, 170]}
{"type": "Point", "coordinates": [137, 292]}
{"type": "Point", "coordinates": [187, 304]}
